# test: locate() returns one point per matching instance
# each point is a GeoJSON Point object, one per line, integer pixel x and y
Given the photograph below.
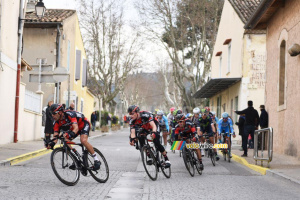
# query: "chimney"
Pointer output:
{"type": "Point", "coordinates": [31, 5]}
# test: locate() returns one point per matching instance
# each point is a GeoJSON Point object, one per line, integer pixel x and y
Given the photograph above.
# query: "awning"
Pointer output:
{"type": "Point", "coordinates": [214, 86]}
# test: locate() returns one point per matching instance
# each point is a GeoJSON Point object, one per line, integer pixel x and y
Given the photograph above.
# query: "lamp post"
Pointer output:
{"type": "Point", "coordinates": [38, 7]}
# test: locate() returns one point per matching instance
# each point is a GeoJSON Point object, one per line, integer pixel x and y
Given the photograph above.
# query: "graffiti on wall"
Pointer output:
{"type": "Point", "coordinates": [257, 70]}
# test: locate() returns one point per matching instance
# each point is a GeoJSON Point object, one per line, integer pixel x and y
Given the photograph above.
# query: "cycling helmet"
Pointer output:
{"type": "Point", "coordinates": [176, 112]}
{"type": "Point", "coordinates": [196, 110]}
{"type": "Point", "coordinates": [207, 109]}
{"type": "Point", "coordinates": [54, 108]}
{"type": "Point", "coordinates": [188, 115]}
{"type": "Point", "coordinates": [160, 112]}
{"type": "Point", "coordinates": [225, 115]}
{"type": "Point", "coordinates": [133, 108]}
{"type": "Point", "coordinates": [172, 109]}
{"type": "Point", "coordinates": [180, 117]}
{"type": "Point", "coordinates": [213, 112]}
{"type": "Point", "coordinates": [203, 110]}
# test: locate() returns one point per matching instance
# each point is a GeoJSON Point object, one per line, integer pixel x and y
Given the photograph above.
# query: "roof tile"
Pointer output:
{"type": "Point", "coordinates": [244, 8]}
{"type": "Point", "coordinates": [51, 15]}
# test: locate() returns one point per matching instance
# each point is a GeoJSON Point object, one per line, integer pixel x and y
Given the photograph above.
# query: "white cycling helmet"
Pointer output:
{"type": "Point", "coordinates": [160, 112]}
{"type": "Point", "coordinates": [213, 112]}
{"type": "Point", "coordinates": [196, 110]}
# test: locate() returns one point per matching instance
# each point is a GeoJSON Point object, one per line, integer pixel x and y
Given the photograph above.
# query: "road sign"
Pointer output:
{"type": "Point", "coordinates": [60, 74]}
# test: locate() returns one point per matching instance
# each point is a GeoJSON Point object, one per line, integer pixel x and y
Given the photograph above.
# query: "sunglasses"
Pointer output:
{"type": "Point", "coordinates": [54, 113]}
{"type": "Point", "coordinates": [180, 121]}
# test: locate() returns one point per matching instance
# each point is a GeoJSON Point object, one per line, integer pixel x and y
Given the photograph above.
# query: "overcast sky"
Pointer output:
{"type": "Point", "coordinates": [151, 53]}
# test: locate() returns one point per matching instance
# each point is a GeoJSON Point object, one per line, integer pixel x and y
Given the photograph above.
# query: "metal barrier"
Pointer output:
{"type": "Point", "coordinates": [269, 132]}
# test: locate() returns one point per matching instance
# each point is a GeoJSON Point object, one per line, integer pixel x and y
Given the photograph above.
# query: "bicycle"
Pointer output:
{"type": "Point", "coordinates": [150, 156]}
{"type": "Point", "coordinates": [67, 163]}
{"type": "Point", "coordinates": [226, 152]}
{"type": "Point", "coordinates": [210, 152]}
{"type": "Point", "coordinates": [190, 158]}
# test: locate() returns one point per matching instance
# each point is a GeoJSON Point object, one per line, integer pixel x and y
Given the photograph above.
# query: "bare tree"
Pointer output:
{"type": "Point", "coordinates": [186, 29]}
{"type": "Point", "coordinates": [111, 53]}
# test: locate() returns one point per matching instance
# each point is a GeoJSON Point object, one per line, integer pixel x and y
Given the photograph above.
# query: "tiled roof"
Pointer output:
{"type": "Point", "coordinates": [51, 15]}
{"type": "Point", "coordinates": [244, 8]}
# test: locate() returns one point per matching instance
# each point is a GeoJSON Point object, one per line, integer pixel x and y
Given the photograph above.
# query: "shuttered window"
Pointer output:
{"type": "Point", "coordinates": [78, 63]}
{"type": "Point", "coordinates": [84, 72]}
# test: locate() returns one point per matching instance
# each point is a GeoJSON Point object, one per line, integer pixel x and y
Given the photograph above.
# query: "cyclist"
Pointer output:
{"type": "Point", "coordinates": [149, 123]}
{"type": "Point", "coordinates": [163, 126]}
{"type": "Point", "coordinates": [189, 116]}
{"type": "Point", "coordinates": [196, 115]}
{"type": "Point", "coordinates": [205, 125]}
{"type": "Point", "coordinates": [183, 129]}
{"type": "Point", "coordinates": [225, 126]}
{"type": "Point", "coordinates": [208, 111]}
{"type": "Point", "coordinates": [174, 123]}
{"type": "Point", "coordinates": [73, 123]}
{"type": "Point", "coordinates": [215, 121]}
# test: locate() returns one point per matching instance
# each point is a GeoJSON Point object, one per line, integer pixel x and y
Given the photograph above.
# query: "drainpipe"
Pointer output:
{"type": "Point", "coordinates": [58, 61]}
{"type": "Point", "coordinates": [1, 68]}
{"type": "Point", "coordinates": [19, 56]}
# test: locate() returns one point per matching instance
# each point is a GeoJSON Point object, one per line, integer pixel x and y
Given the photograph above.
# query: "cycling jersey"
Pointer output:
{"type": "Point", "coordinates": [195, 119]}
{"type": "Point", "coordinates": [205, 125]}
{"type": "Point", "coordinates": [73, 117]}
{"type": "Point", "coordinates": [144, 120]}
{"type": "Point", "coordinates": [163, 122]}
{"type": "Point", "coordinates": [225, 127]}
{"type": "Point", "coordinates": [188, 128]}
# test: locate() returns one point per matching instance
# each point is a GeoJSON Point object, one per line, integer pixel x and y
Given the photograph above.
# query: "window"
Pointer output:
{"type": "Point", "coordinates": [220, 66]}
{"type": "Point", "coordinates": [282, 73]}
{"type": "Point", "coordinates": [78, 64]}
{"type": "Point", "coordinates": [219, 107]}
{"type": "Point", "coordinates": [224, 107]}
{"type": "Point", "coordinates": [236, 107]}
{"type": "Point", "coordinates": [231, 108]}
{"type": "Point", "coordinates": [229, 58]}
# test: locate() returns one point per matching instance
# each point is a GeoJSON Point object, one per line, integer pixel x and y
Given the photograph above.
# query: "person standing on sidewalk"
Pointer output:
{"type": "Point", "coordinates": [251, 123]}
{"type": "Point", "coordinates": [49, 122]}
{"type": "Point", "coordinates": [263, 123]}
{"type": "Point", "coordinates": [72, 106]}
{"type": "Point", "coordinates": [93, 120]}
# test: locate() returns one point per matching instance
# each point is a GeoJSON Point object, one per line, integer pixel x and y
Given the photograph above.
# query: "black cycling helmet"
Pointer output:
{"type": "Point", "coordinates": [55, 108]}
{"type": "Point", "coordinates": [133, 108]}
{"type": "Point", "coordinates": [180, 117]}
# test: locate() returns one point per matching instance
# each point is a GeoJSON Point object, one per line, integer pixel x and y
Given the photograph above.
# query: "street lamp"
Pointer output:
{"type": "Point", "coordinates": [40, 9]}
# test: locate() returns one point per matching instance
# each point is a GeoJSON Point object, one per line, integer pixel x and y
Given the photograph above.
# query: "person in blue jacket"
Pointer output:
{"type": "Point", "coordinates": [225, 126]}
{"type": "Point", "coordinates": [163, 125]}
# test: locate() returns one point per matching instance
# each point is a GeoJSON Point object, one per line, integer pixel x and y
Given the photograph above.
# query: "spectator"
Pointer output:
{"type": "Point", "coordinates": [240, 125]}
{"type": "Point", "coordinates": [64, 105]}
{"type": "Point", "coordinates": [263, 123]}
{"type": "Point", "coordinates": [72, 106]}
{"type": "Point", "coordinates": [49, 122]}
{"type": "Point", "coordinates": [251, 123]}
{"type": "Point", "coordinates": [125, 119]}
{"type": "Point", "coordinates": [93, 120]}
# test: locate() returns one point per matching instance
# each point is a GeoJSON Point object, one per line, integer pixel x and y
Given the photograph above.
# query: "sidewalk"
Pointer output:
{"type": "Point", "coordinates": [14, 153]}
{"type": "Point", "coordinates": [282, 166]}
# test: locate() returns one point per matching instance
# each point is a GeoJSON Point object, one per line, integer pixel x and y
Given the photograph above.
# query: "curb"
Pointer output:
{"type": "Point", "coordinates": [281, 176]}
{"type": "Point", "coordinates": [30, 155]}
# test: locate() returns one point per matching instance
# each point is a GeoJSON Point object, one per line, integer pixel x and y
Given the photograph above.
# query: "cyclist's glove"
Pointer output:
{"type": "Point", "coordinates": [51, 144]}
{"type": "Point", "coordinates": [131, 139]}
{"type": "Point", "coordinates": [153, 135]}
{"type": "Point", "coordinates": [70, 135]}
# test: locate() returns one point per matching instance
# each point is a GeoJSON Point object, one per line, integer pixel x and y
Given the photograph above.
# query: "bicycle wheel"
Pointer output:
{"type": "Point", "coordinates": [180, 152]}
{"type": "Point", "coordinates": [187, 158]}
{"type": "Point", "coordinates": [61, 162]}
{"type": "Point", "coordinates": [165, 171]}
{"type": "Point", "coordinates": [101, 175]}
{"type": "Point", "coordinates": [212, 157]}
{"type": "Point", "coordinates": [228, 155]}
{"type": "Point", "coordinates": [149, 162]}
{"type": "Point", "coordinates": [196, 162]}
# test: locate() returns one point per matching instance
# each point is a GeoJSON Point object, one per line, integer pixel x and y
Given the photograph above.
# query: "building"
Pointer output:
{"type": "Point", "coordinates": [280, 19]}
{"type": "Point", "coordinates": [238, 62]}
{"type": "Point", "coordinates": [57, 38]}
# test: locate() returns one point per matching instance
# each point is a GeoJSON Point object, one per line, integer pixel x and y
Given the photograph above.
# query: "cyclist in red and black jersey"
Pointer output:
{"type": "Point", "coordinates": [184, 128]}
{"type": "Point", "coordinates": [146, 121]}
{"type": "Point", "coordinates": [73, 123]}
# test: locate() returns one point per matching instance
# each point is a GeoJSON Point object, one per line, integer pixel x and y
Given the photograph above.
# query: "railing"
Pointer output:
{"type": "Point", "coordinates": [32, 101]}
{"type": "Point", "coordinates": [269, 145]}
